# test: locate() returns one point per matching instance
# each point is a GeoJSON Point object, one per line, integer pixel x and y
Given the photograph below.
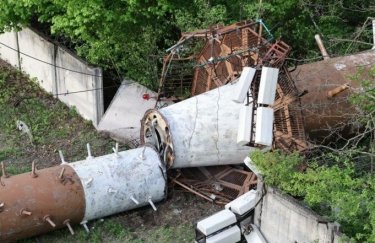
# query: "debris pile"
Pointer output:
{"type": "Point", "coordinates": [234, 97]}
{"type": "Point", "coordinates": [226, 51]}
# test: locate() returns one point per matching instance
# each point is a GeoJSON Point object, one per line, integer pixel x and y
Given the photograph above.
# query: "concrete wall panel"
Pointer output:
{"type": "Point", "coordinates": [8, 48]}
{"type": "Point", "coordinates": [283, 219]}
{"type": "Point", "coordinates": [58, 72]}
{"type": "Point", "coordinates": [33, 45]}
{"type": "Point", "coordinates": [77, 85]}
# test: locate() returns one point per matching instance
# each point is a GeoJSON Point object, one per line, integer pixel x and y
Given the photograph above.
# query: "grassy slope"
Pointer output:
{"type": "Point", "coordinates": [54, 126]}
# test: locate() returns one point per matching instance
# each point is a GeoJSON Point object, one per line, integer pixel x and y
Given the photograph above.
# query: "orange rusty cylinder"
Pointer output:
{"type": "Point", "coordinates": [329, 84]}
{"type": "Point", "coordinates": [37, 203]}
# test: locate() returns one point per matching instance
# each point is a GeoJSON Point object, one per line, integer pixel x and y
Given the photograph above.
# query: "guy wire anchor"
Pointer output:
{"type": "Point", "coordinates": [63, 162]}
{"type": "Point", "coordinates": [89, 152]}
{"type": "Point", "coordinates": [152, 204]}
{"type": "Point", "coordinates": [115, 150]}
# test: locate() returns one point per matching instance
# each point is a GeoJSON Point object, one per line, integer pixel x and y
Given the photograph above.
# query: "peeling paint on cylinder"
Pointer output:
{"type": "Point", "coordinates": [27, 202]}
{"type": "Point", "coordinates": [199, 131]}
{"type": "Point", "coordinates": [112, 183]}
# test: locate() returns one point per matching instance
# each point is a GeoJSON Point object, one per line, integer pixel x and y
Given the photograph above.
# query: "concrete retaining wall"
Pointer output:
{"type": "Point", "coordinates": [283, 219]}
{"type": "Point", "coordinates": [9, 52]}
{"type": "Point", "coordinates": [57, 70]}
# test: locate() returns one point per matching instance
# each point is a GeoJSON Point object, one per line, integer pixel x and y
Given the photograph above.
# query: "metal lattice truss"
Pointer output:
{"type": "Point", "coordinates": [207, 59]}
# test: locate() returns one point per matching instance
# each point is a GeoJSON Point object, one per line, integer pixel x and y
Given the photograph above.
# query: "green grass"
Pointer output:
{"type": "Point", "coordinates": [53, 125]}
{"type": "Point", "coordinates": [111, 230]}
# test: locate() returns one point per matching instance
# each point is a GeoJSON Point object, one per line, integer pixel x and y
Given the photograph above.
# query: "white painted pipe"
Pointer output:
{"type": "Point", "coordinates": [113, 184]}
{"type": "Point", "coordinates": [373, 33]}
{"type": "Point", "coordinates": [199, 131]}
{"type": "Point", "coordinates": [321, 47]}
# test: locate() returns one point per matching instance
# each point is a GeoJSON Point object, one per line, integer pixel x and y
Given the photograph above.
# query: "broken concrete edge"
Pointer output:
{"type": "Point", "coordinates": [249, 164]}
{"type": "Point", "coordinates": [258, 233]}
{"type": "Point", "coordinates": [121, 121]}
{"type": "Point", "coordinates": [302, 208]}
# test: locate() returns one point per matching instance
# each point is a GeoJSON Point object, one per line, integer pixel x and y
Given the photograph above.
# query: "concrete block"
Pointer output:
{"type": "Point", "coordinates": [244, 203]}
{"type": "Point", "coordinates": [123, 116]}
{"type": "Point", "coordinates": [230, 235]}
{"type": "Point", "coordinates": [267, 87]}
{"type": "Point", "coordinates": [216, 222]}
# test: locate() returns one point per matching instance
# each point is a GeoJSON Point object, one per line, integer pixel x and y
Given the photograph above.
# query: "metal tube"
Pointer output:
{"type": "Point", "coordinates": [75, 193]}
{"type": "Point", "coordinates": [327, 86]}
{"type": "Point", "coordinates": [200, 131]}
{"type": "Point", "coordinates": [321, 47]}
{"type": "Point", "coordinates": [67, 223]}
{"type": "Point", "coordinates": [34, 198]}
{"type": "Point", "coordinates": [337, 90]}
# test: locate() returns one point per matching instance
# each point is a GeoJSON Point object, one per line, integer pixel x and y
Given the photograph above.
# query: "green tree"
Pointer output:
{"type": "Point", "coordinates": [131, 35]}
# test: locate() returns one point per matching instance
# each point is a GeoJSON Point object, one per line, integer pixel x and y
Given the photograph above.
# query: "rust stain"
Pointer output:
{"type": "Point", "coordinates": [34, 205]}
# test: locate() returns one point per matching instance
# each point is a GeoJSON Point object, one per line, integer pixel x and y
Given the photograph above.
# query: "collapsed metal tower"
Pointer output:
{"type": "Point", "coordinates": [200, 131]}
{"type": "Point", "coordinates": [215, 57]}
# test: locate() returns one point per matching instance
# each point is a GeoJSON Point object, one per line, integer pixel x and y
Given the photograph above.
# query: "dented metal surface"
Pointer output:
{"type": "Point", "coordinates": [35, 203]}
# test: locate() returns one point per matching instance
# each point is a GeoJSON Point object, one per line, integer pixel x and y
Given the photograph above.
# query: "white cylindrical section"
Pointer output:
{"type": "Point", "coordinates": [321, 47]}
{"type": "Point", "coordinates": [373, 33]}
{"type": "Point", "coordinates": [115, 182]}
{"type": "Point", "coordinates": [204, 129]}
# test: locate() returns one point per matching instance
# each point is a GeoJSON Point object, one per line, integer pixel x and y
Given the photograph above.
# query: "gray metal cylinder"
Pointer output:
{"type": "Point", "coordinates": [119, 182]}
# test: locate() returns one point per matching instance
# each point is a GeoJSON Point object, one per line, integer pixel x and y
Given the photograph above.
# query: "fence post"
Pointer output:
{"type": "Point", "coordinates": [98, 97]}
